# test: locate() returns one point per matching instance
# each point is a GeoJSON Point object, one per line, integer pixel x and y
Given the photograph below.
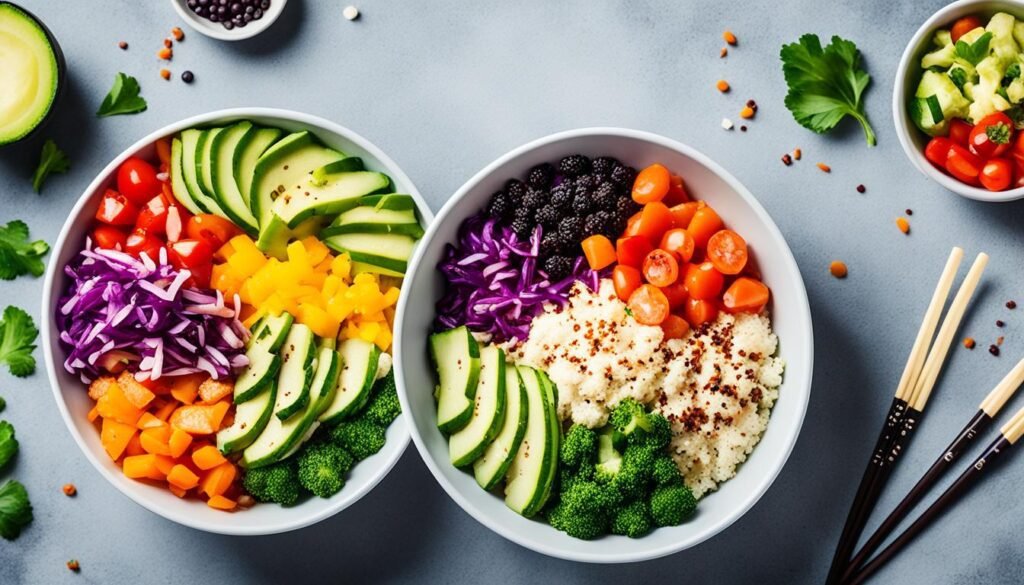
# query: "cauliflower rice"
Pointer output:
{"type": "Point", "coordinates": [716, 386]}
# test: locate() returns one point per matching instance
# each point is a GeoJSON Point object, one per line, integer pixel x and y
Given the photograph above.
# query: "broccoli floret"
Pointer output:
{"type": "Point", "coordinates": [384, 406]}
{"type": "Point", "coordinates": [671, 504]}
{"type": "Point", "coordinates": [658, 435]}
{"type": "Point", "coordinates": [583, 510]}
{"type": "Point", "coordinates": [578, 446]}
{"type": "Point", "coordinates": [360, 437]}
{"type": "Point", "coordinates": [322, 468]}
{"type": "Point", "coordinates": [609, 461]}
{"type": "Point", "coordinates": [633, 521]}
{"type": "Point", "coordinates": [629, 416]}
{"type": "Point", "coordinates": [634, 477]}
{"type": "Point", "coordinates": [277, 483]}
{"type": "Point", "coordinates": [665, 470]}
{"type": "Point", "coordinates": [582, 526]}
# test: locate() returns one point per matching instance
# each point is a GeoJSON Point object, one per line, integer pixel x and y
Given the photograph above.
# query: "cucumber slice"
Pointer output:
{"type": "Point", "coordinates": [358, 372]}
{"type": "Point", "coordinates": [272, 330]}
{"type": "Point", "coordinates": [323, 174]}
{"type": "Point", "coordinates": [467, 445]}
{"type": "Point", "coordinates": [181, 192]}
{"type": "Point", "coordinates": [529, 478]}
{"type": "Point", "coordinates": [264, 361]}
{"type": "Point", "coordinates": [204, 163]}
{"type": "Point", "coordinates": [340, 193]}
{"type": "Point", "coordinates": [245, 163]}
{"type": "Point", "coordinates": [456, 357]}
{"type": "Point", "coordinates": [555, 425]}
{"type": "Point", "coordinates": [491, 467]}
{"type": "Point", "coordinates": [227, 148]}
{"type": "Point", "coordinates": [387, 251]}
{"type": "Point", "coordinates": [191, 149]}
{"type": "Point", "coordinates": [325, 381]}
{"type": "Point", "coordinates": [393, 201]}
{"type": "Point", "coordinates": [285, 168]}
{"type": "Point", "coordinates": [251, 418]}
{"type": "Point", "coordinates": [297, 367]}
{"type": "Point", "coordinates": [372, 220]}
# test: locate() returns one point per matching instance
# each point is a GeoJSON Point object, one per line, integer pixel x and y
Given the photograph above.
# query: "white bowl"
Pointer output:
{"type": "Point", "coordinates": [790, 313]}
{"type": "Point", "coordinates": [216, 30]}
{"type": "Point", "coordinates": [908, 74]}
{"type": "Point", "coordinates": [74, 403]}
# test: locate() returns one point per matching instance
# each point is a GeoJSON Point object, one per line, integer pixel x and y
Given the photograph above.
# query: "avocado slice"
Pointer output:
{"type": "Point", "coordinates": [275, 235]}
{"type": "Point", "coordinates": [245, 161]}
{"type": "Point", "coordinates": [31, 73]}
{"type": "Point", "coordinates": [286, 167]}
{"type": "Point", "coordinates": [191, 146]}
{"type": "Point", "coordinates": [227, 146]}
{"type": "Point", "coordinates": [346, 165]}
{"type": "Point", "coordinates": [341, 192]}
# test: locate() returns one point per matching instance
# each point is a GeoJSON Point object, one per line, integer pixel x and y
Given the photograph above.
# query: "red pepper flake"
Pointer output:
{"type": "Point", "coordinates": [969, 342]}
{"type": "Point", "coordinates": [838, 269]}
{"type": "Point", "coordinates": [165, 54]}
{"type": "Point", "coordinates": [723, 53]}
{"type": "Point", "coordinates": [1011, 305]}
{"type": "Point", "coordinates": [166, 74]}
{"type": "Point", "coordinates": [994, 350]}
{"type": "Point", "coordinates": [797, 153]}
{"type": "Point", "coordinates": [74, 566]}
{"type": "Point", "coordinates": [69, 489]}
{"type": "Point", "coordinates": [123, 46]}
{"type": "Point", "coordinates": [168, 43]}
{"type": "Point", "coordinates": [178, 34]}
{"type": "Point", "coordinates": [824, 167]}
{"type": "Point", "coordinates": [903, 224]}
{"type": "Point", "coordinates": [1000, 340]}
{"type": "Point", "coordinates": [861, 188]}
{"type": "Point", "coordinates": [729, 37]}
{"type": "Point", "coordinates": [787, 160]}
{"type": "Point", "coordinates": [722, 85]}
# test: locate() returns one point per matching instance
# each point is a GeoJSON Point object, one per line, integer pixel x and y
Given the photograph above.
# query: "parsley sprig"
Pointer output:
{"type": "Point", "coordinates": [17, 341]}
{"type": "Point", "coordinates": [123, 98]}
{"type": "Point", "coordinates": [51, 160]}
{"type": "Point", "coordinates": [18, 255]}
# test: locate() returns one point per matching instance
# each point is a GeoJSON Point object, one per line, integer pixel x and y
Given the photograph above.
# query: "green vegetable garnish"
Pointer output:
{"type": "Point", "coordinates": [15, 509]}
{"type": "Point", "coordinates": [974, 52]}
{"type": "Point", "coordinates": [825, 85]}
{"type": "Point", "coordinates": [17, 340]}
{"type": "Point", "coordinates": [1012, 72]}
{"type": "Point", "coordinates": [3, 404]}
{"type": "Point", "coordinates": [936, 108]}
{"type": "Point", "coordinates": [998, 133]}
{"type": "Point", "coordinates": [52, 160]}
{"type": "Point", "coordinates": [8, 443]}
{"type": "Point", "coordinates": [18, 256]}
{"type": "Point", "coordinates": [959, 77]}
{"type": "Point", "coordinates": [123, 98]}
{"type": "Point", "coordinates": [1016, 114]}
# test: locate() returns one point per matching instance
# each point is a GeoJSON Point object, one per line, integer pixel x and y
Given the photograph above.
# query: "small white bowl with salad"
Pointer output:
{"type": "Point", "coordinates": [217, 319]}
{"type": "Point", "coordinates": [592, 364]}
{"type": "Point", "coordinates": [958, 99]}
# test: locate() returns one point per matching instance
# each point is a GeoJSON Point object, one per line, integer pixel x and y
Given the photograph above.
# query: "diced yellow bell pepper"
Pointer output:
{"type": "Point", "coordinates": [318, 320]}
{"type": "Point", "coordinates": [369, 331]}
{"type": "Point", "coordinates": [391, 296]}
{"type": "Point", "coordinates": [383, 339]}
{"type": "Point", "coordinates": [341, 266]}
{"type": "Point", "coordinates": [316, 251]}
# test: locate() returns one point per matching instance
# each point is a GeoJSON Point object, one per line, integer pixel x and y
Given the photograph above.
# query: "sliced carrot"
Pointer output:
{"type": "Point", "coordinates": [626, 279]}
{"type": "Point", "coordinates": [136, 393]}
{"type": "Point", "coordinates": [655, 220]}
{"type": "Point", "coordinates": [727, 250]}
{"type": "Point", "coordinates": [679, 242]}
{"type": "Point", "coordinates": [703, 281]}
{"type": "Point", "coordinates": [652, 184]}
{"type": "Point", "coordinates": [661, 268]}
{"type": "Point", "coordinates": [164, 464]}
{"type": "Point", "coordinates": [94, 413]}
{"type": "Point", "coordinates": [179, 442]}
{"type": "Point", "coordinates": [182, 477]}
{"type": "Point", "coordinates": [676, 192]}
{"type": "Point", "coordinates": [134, 446]}
{"type": "Point", "coordinates": [148, 421]}
{"type": "Point", "coordinates": [114, 404]}
{"type": "Point", "coordinates": [186, 388]}
{"type": "Point", "coordinates": [699, 312]}
{"type": "Point", "coordinates": [217, 481]}
{"type": "Point", "coordinates": [164, 411]}
{"type": "Point", "coordinates": [142, 467]}
{"type": "Point", "coordinates": [177, 490]}
{"type": "Point", "coordinates": [156, 440]}
{"type": "Point", "coordinates": [648, 305]}
{"type": "Point", "coordinates": [746, 295]}
{"type": "Point", "coordinates": [115, 436]}
{"type": "Point", "coordinates": [221, 503]}
{"type": "Point", "coordinates": [211, 390]}
{"type": "Point", "coordinates": [599, 251]}
{"type": "Point", "coordinates": [207, 457]}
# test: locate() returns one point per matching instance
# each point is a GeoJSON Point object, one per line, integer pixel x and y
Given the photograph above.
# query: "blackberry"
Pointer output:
{"type": "Point", "coordinates": [533, 199]}
{"type": "Point", "coordinates": [516, 190]}
{"type": "Point", "coordinates": [603, 166]}
{"type": "Point", "coordinates": [541, 176]}
{"type": "Point", "coordinates": [500, 206]}
{"type": "Point", "coordinates": [626, 207]}
{"type": "Point", "coordinates": [585, 183]}
{"type": "Point", "coordinates": [624, 176]}
{"type": "Point", "coordinates": [558, 267]}
{"type": "Point", "coordinates": [599, 222]}
{"type": "Point", "coordinates": [551, 244]}
{"type": "Point", "coordinates": [570, 229]}
{"type": "Point", "coordinates": [574, 165]}
{"type": "Point", "coordinates": [606, 196]}
{"type": "Point", "coordinates": [561, 196]}
{"type": "Point", "coordinates": [582, 203]}
{"type": "Point", "coordinates": [547, 215]}
{"type": "Point", "coordinates": [523, 227]}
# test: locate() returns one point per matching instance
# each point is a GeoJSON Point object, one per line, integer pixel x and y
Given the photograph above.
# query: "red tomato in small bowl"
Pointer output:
{"type": "Point", "coordinates": [959, 131]}
{"type": "Point", "coordinates": [997, 174]}
{"type": "Point", "coordinates": [964, 165]}
{"type": "Point", "coordinates": [938, 150]}
{"type": "Point", "coordinates": [136, 180]}
{"type": "Point", "coordinates": [991, 136]}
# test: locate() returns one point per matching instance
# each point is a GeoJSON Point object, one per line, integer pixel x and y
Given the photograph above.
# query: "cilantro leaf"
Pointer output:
{"type": "Point", "coordinates": [825, 85]}
{"type": "Point", "coordinates": [974, 52]}
{"type": "Point", "coordinates": [123, 98]}
{"type": "Point", "coordinates": [18, 256]}
{"type": "Point", "coordinates": [8, 443]}
{"type": "Point", "coordinates": [17, 340]}
{"type": "Point", "coordinates": [52, 160]}
{"type": "Point", "coordinates": [15, 509]}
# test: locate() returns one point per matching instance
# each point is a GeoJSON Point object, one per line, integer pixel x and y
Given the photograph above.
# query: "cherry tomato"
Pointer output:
{"type": "Point", "coordinates": [116, 209]}
{"type": "Point", "coordinates": [676, 192]}
{"type": "Point", "coordinates": [959, 131]}
{"type": "Point", "coordinates": [215, 230]}
{"type": "Point", "coordinates": [1018, 145]}
{"type": "Point", "coordinates": [139, 241]}
{"type": "Point", "coordinates": [201, 276]}
{"type": "Point", "coordinates": [652, 184]}
{"type": "Point", "coordinates": [675, 327]}
{"type": "Point", "coordinates": [626, 280]}
{"type": "Point", "coordinates": [683, 213]}
{"type": "Point", "coordinates": [599, 251]}
{"type": "Point", "coordinates": [661, 268]}
{"type": "Point", "coordinates": [655, 219]}
{"type": "Point", "coordinates": [704, 225]}
{"type": "Point", "coordinates": [136, 180]}
{"type": "Point", "coordinates": [963, 164]}
{"type": "Point", "coordinates": [727, 250]}
{"type": "Point", "coordinates": [963, 26]}
{"type": "Point", "coordinates": [648, 305]}
{"type": "Point", "coordinates": [676, 294]}
{"type": "Point", "coordinates": [703, 281]}
{"type": "Point", "coordinates": [938, 150]}
{"type": "Point", "coordinates": [746, 295]}
{"type": "Point", "coordinates": [632, 250]}
{"type": "Point", "coordinates": [153, 216]}
{"type": "Point", "coordinates": [698, 312]}
{"type": "Point", "coordinates": [190, 253]}
{"type": "Point", "coordinates": [679, 242]}
{"type": "Point", "coordinates": [997, 174]}
{"type": "Point", "coordinates": [175, 224]}
{"type": "Point", "coordinates": [991, 136]}
{"type": "Point", "coordinates": [109, 238]}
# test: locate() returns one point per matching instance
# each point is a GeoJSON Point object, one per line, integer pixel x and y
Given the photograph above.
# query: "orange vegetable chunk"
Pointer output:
{"type": "Point", "coordinates": [114, 404]}
{"type": "Point", "coordinates": [186, 388]}
{"type": "Point", "coordinates": [164, 411]}
{"type": "Point", "coordinates": [217, 481]}
{"type": "Point", "coordinates": [142, 467]}
{"type": "Point", "coordinates": [221, 503]}
{"type": "Point", "coordinates": [134, 392]}
{"type": "Point", "coordinates": [200, 419]}
{"type": "Point", "coordinates": [182, 477]}
{"type": "Point", "coordinates": [148, 421]}
{"type": "Point", "coordinates": [134, 446]}
{"type": "Point", "coordinates": [156, 440]}
{"type": "Point", "coordinates": [207, 457]}
{"type": "Point", "coordinates": [211, 390]}
{"type": "Point", "coordinates": [177, 490]}
{"type": "Point", "coordinates": [115, 436]}
{"type": "Point", "coordinates": [179, 442]}
{"type": "Point", "coordinates": [99, 386]}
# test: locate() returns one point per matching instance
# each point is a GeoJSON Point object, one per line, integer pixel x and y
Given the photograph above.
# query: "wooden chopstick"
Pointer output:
{"type": "Point", "coordinates": [979, 423]}
{"type": "Point", "coordinates": [1009, 435]}
{"type": "Point", "coordinates": [894, 418]}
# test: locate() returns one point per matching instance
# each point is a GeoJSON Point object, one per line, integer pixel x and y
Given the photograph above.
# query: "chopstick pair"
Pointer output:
{"type": "Point", "coordinates": [1009, 435]}
{"type": "Point", "coordinates": [927, 356]}
{"type": "Point", "coordinates": [979, 423]}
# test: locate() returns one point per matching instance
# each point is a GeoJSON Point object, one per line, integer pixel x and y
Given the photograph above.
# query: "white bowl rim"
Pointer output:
{"type": "Point", "coordinates": [217, 31]}
{"type": "Point", "coordinates": [803, 306]}
{"type": "Point", "coordinates": [118, 481]}
{"type": "Point", "coordinates": [904, 126]}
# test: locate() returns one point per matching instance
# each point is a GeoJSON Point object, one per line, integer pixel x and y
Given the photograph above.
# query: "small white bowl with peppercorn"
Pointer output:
{"type": "Point", "coordinates": [229, 20]}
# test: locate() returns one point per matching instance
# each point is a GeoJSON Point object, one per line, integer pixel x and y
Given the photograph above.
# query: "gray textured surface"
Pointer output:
{"type": "Point", "coordinates": [446, 87]}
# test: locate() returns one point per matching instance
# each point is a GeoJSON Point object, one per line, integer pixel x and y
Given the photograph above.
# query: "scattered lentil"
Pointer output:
{"type": "Point", "coordinates": [743, 128]}
{"type": "Point", "coordinates": [722, 85]}
{"type": "Point", "coordinates": [1011, 305]}
{"type": "Point", "coordinates": [993, 349]}
{"type": "Point", "coordinates": [123, 46]}
{"type": "Point", "coordinates": [350, 13]}
{"type": "Point", "coordinates": [838, 269]}
{"type": "Point", "coordinates": [861, 188]}
{"type": "Point", "coordinates": [722, 54]}
{"type": "Point", "coordinates": [969, 342]}
{"type": "Point", "coordinates": [1000, 340]}
{"type": "Point", "coordinates": [178, 34]}
{"type": "Point", "coordinates": [187, 76]}
{"type": "Point", "coordinates": [166, 74]}
{"type": "Point", "coordinates": [168, 43]}
{"type": "Point", "coordinates": [1000, 323]}
{"type": "Point", "coordinates": [909, 211]}
{"type": "Point", "coordinates": [74, 566]}
{"type": "Point", "coordinates": [165, 54]}
{"type": "Point", "coordinates": [69, 489]}
{"type": "Point", "coordinates": [824, 167]}
{"type": "Point", "coordinates": [747, 113]}
{"type": "Point", "coordinates": [797, 153]}
{"type": "Point", "coordinates": [903, 224]}
{"type": "Point", "coordinates": [729, 37]}
{"type": "Point", "coordinates": [787, 160]}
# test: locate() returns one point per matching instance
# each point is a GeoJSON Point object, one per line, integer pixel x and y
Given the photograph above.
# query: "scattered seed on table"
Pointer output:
{"type": "Point", "coordinates": [824, 167]}
{"type": "Point", "coordinates": [69, 489]}
{"type": "Point", "coordinates": [838, 269]}
{"type": "Point", "coordinates": [350, 12]}
{"type": "Point", "coordinates": [797, 153]}
{"type": "Point", "coordinates": [787, 160]}
{"type": "Point", "coordinates": [1011, 305]}
{"type": "Point", "coordinates": [903, 224]}
{"type": "Point", "coordinates": [123, 46]}
{"type": "Point", "coordinates": [722, 54]}
{"type": "Point", "coordinates": [729, 37]}
{"type": "Point", "coordinates": [73, 566]}
{"type": "Point", "coordinates": [727, 123]}
{"type": "Point", "coordinates": [969, 342]}
{"type": "Point", "coordinates": [1000, 340]}
{"type": "Point", "coordinates": [1000, 323]}
{"type": "Point", "coordinates": [861, 188]}
{"type": "Point", "coordinates": [993, 349]}
{"type": "Point", "coordinates": [168, 43]}
{"type": "Point", "coordinates": [743, 128]}
{"type": "Point", "coordinates": [187, 76]}
{"type": "Point", "coordinates": [910, 211]}
{"type": "Point", "coordinates": [165, 54]}
{"type": "Point", "coordinates": [166, 74]}
{"type": "Point", "coordinates": [722, 85]}
{"type": "Point", "coordinates": [178, 34]}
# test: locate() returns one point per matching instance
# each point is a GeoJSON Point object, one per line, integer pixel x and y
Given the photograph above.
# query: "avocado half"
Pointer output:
{"type": "Point", "coordinates": [34, 53]}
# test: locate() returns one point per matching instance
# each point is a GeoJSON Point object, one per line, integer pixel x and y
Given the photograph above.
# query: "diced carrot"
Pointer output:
{"type": "Point", "coordinates": [179, 442]}
{"type": "Point", "coordinates": [156, 440]}
{"type": "Point", "coordinates": [148, 421]}
{"type": "Point", "coordinates": [115, 436]}
{"type": "Point", "coordinates": [207, 457]}
{"type": "Point", "coordinates": [221, 503]}
{"type": "Point", "coordinates": [114, 404]}
{"type": "Point", "coordinates": [216, 481]}
{"type": "Point", "coordinates": [134, 446]}
{"type": "Point", "coordinates": [599, 250]}
{"type": "Point", "coordinates": [136, 393]}
{"type": "Point", "coordinates": [186, 388]}
{"type": "Point", "coordinates": [211, 390]}
{"type": "Point", "coordinates": [182, 477]}
{"type": "Point", "coordinates": [99, 386]}
{"type": "Point", "coordinates": [164, 411]}
{"type": "Point", "coordinates": [177, 490]}
{"type": "Point", "coordinates": [142, 467]}
{"type": "Point", "coordinates": [164, 464]}
{"type": "Point", "coordinates": [200, 419]}
{"type": "Point", "coordinates": [94, 414]}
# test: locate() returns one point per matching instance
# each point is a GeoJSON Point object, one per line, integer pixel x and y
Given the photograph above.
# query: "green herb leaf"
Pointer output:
{"type": "Point", "coordinates": [3, 404]}
{"type": "Point", "coordinates": [1016, 114]}
{"type": "Point", "coordinates": [15, 509]}
{"type": "Point", "coordinates": [18, 256]}
{"type": "Point", "coordinates": [998, 133]}
{"type": "Point", "coordinates": [974, 52]}
{"type": "Point", "coordinates": [123, 98]}
{"type": "Point", "coordinates": [52, 160]}
{"type": "Point", "coordinates": [8, 443]}
{"type": "Point", "coordinates": [1012, 72]}
{"type": "Point", "coordinates": [17, 341]}
{"type": "Point", "coordinates": [629, 311]}
{"type": "Point", "coordinates": [825, 85]}
{"type": "Point", "coordinates": [958, 77]}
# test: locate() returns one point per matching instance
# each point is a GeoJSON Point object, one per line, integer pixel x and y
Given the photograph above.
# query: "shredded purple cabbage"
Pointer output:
{"type": "Point", "coordinates": [494, 283]}
{"type": "Point", "coordinates": [122, 311]}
